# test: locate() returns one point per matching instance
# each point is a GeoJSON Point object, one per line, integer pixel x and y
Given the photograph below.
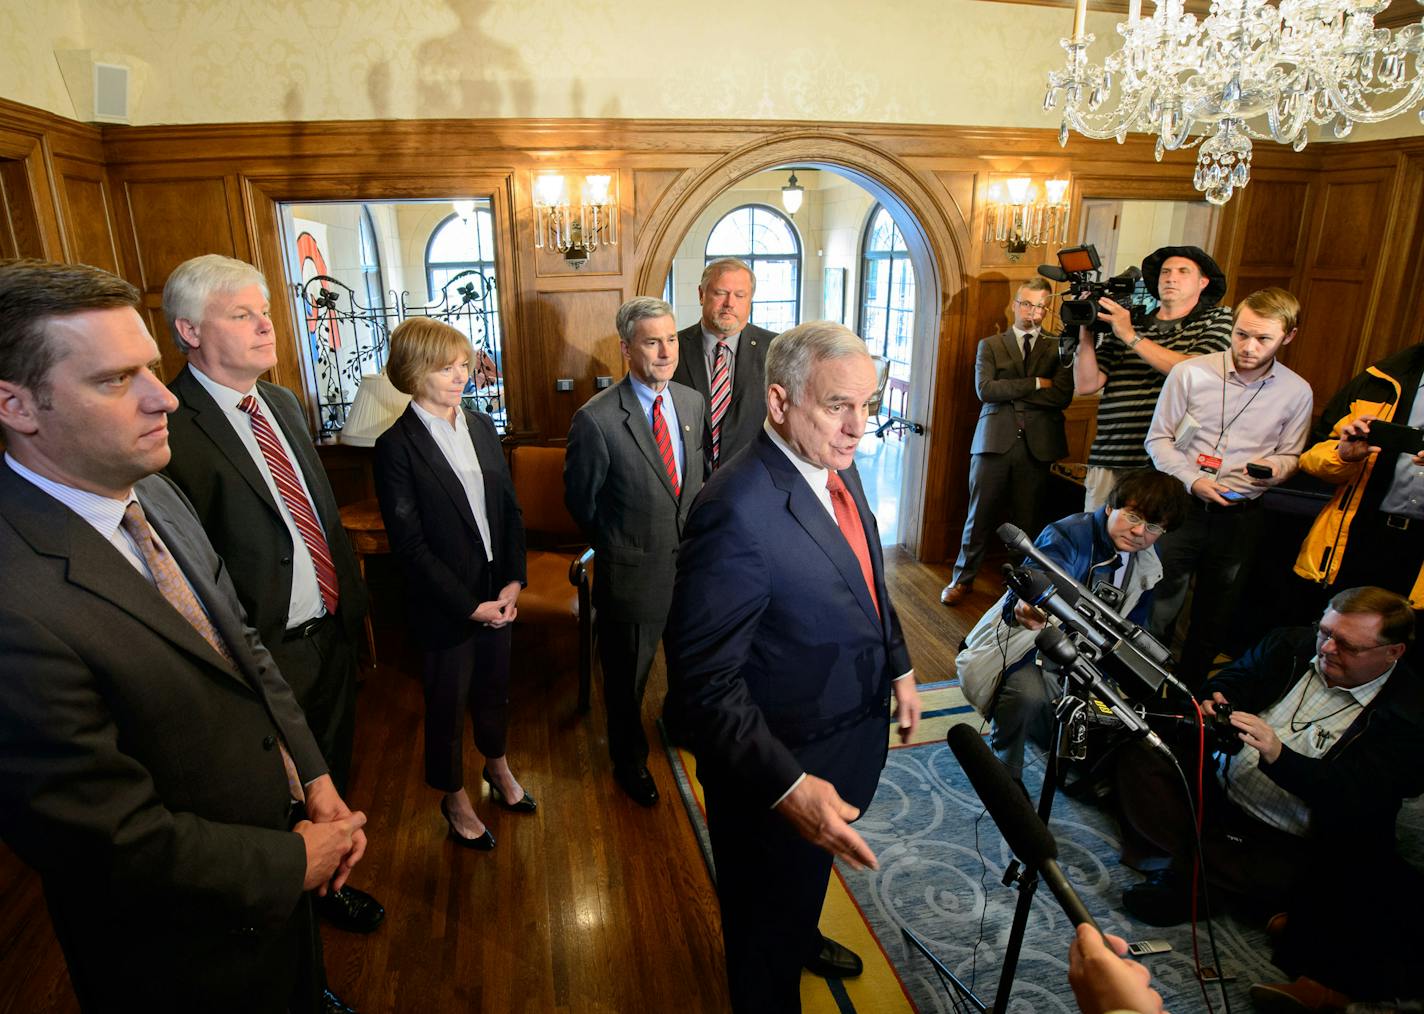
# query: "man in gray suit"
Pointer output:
{"type": "Point", "coordinates": [1024, 388]}
{"type": "Point", "coordinates": [724, 359]}
{"type": "Point", "coordinates": [633, 466]}
{"type": "Point", "coordinates": [155, 768]}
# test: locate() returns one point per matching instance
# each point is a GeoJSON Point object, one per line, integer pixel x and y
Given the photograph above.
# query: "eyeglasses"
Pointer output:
{"type": "Point", "coordinates": [1024, 304]}
{"type": "Point", "coordinates": [1133, 520]}
{"type": "Point", "coordinates": [1322, 635]}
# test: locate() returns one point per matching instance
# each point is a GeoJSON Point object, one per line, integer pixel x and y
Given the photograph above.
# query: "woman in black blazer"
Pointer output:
{"type": "Point", "coordinates": [454, 525]}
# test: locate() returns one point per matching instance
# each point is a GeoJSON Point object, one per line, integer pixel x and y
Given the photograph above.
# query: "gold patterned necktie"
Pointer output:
{"type": "Point", "coordinates": [175, 588]}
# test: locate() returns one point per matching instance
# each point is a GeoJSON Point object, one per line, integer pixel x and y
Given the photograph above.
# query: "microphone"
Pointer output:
{"type": "Point", "coordinates": [1037, 589]}
{"type": "Point", "coordinates": [1052, 643]}
{"type": "Point", "coordinates": [1053, 272]}
{"type": "Point", "coordinates": [1027, 836]}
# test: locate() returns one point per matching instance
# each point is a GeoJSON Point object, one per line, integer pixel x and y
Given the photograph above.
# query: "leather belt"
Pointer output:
{"type": "Point", "coordinates": [1399, 522]}
{"type": "Point", "coordinates": [307, 629]}
{"type": "Point", "coordinates": [1240, 506]}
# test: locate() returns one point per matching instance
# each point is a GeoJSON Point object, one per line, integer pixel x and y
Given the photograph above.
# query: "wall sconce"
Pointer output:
{"type": "Point", "coordinates": [792, 195]}
{"type": "Point", "coordinates": [1017, 218]}
{"type": "Point", "coordinates": [575, 230]}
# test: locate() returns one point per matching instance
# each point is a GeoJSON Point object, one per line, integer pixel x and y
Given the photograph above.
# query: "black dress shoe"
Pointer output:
{"type": "Point", "coordinates": [350, 909]}
{"type": "Point", "coordinates": [332, 1004]}
{"type": "Point", "coordinates": [524, 804]}
{"type": "Point", "coordinates": [1163, 899]}
{"type": "Point", "coordinates": [835, 961]}
{"type": "Point", "coordinates": [483, 843]}
{"type": "Point", "coordinates": [638, 783]}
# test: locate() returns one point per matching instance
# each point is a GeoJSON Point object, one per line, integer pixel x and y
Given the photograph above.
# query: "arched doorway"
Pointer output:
{"type": "Point", "coordinates": [930, 238]}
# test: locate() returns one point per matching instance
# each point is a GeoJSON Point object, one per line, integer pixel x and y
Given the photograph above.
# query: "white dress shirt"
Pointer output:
{"type": "Point", "coordinates": [459, 451]}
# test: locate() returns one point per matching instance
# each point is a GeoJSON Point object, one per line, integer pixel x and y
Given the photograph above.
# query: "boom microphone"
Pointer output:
{"type": "Point", "coordinates": [1053, 272]}
{"type": "Point", "coordinates": [1027, 836]}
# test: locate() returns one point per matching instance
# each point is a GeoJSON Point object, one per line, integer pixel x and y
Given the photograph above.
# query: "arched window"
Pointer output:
{"type": "Point", "coordinates": [887, 288]}
{"type": "Point", "coordinates": [371, 264]}
{"type": "Point", "coordinates": [460, 245]}
{"type": "Point", "coordinates": [765, 239]}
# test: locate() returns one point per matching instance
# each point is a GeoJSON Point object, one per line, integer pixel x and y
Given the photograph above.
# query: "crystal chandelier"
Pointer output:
{"type": "Point", "coordinates": [1252, 70]}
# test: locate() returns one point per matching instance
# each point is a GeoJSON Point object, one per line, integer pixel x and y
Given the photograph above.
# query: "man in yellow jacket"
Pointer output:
{"type": "Point", "coordinates": [1372, 531]}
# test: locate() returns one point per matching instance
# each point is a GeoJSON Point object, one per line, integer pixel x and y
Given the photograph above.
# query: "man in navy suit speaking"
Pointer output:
{"type": "Point", "coordinates": [782, 648]}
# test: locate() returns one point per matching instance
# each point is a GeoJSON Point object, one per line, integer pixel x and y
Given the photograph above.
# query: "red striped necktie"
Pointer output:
{"type": "Point", "coordinates": [660, 434]}
{"type": "Point", "coordinates": [721, 396]}
{"type": "Point", "coordinates": [285, 476]}
{"type": "Point", "coordinates": [848, 518]}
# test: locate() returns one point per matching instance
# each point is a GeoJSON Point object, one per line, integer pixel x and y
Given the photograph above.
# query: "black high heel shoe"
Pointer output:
{"type": "Point", "coordinates": [483, 843]}
{"type": "Point", "coordinates": [525, 804]}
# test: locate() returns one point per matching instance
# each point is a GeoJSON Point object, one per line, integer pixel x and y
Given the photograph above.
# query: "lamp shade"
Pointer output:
{"type": "Point", "coordinates": [378, 404]}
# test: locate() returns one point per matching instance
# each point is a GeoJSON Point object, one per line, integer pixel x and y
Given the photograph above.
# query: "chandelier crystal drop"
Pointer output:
{"type": "Point", "coordinates": [1250, 70]}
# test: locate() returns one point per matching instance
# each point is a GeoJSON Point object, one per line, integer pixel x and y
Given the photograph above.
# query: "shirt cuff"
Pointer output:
{"type": "Point", "coordinates": [897, 679]}
{"type": "Point", "coordinates": [790, 790]}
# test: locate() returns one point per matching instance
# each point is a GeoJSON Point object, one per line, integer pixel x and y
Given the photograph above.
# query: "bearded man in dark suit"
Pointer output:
{"type": "Point", "coordinates": [154, 765]}
{"type": "Point", "coordinates": [782, 649]}
{"type": "Point", "coordinates": [723, 358]}
{"type": "Point", "coordinates": [244, 458]}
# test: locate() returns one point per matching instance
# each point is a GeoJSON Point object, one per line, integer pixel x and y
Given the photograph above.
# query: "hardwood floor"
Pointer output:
{"type": "Point", "coordinates": [592, 904]}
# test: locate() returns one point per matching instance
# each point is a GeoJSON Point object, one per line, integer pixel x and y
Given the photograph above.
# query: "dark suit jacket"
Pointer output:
{"type": "Point", "coordinates": [747, 410]}
{"type": "Point", "coordinates": [777, 661]}
{"type": "Point", "coordinates": [432, 529]}
{"type": "Point", "coordinates": [138, 770]}
{"type": "Point", "coordinates": [1008, 390]}
{"type": "Point", "coordinates": [617, 489]}
{"type": "Point", "coordinates": [213, 467]}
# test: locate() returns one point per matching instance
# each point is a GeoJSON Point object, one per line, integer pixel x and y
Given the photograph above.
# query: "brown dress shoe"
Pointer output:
{"type": "Point", "coordinates": [954, 594]}
{"type": "Point", "coordinates": [1302, 995]}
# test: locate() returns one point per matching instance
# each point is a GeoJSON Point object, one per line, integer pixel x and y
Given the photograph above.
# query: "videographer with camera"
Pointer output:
{"type": "Point", "coordinates": [1131, 366]}
{"type": "Point", "coordinates": [1325, 739]}
{"type": "Point", "coordinates": [1372, 531]}
{"type": "Point", "coordinates": [1227, 426]}
{"type": "Point", "coordinates": [998, 668]}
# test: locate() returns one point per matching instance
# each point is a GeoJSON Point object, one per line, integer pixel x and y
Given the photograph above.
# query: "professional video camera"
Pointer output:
{"type": "Point", "coordinates": [1221, 735]}
{"type": "Point", "coordinates": [1079, 266]}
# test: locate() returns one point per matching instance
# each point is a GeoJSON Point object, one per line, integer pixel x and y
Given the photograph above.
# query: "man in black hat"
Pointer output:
{"type": "Point", "coordinates": [1132, 365]}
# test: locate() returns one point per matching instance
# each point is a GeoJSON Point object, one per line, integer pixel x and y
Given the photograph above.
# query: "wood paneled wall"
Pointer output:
{"type": "Point", "coordinates": [1341, 225]}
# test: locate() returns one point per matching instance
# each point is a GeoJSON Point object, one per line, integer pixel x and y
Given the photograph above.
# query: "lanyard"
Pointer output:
{"type": "Point", "coordinates": [1226, 426]}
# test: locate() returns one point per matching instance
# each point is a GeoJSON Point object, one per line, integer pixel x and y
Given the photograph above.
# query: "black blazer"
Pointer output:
{"type": "Point", "coordinates": [747, 411]}
{"type": "Point", "coordinates": [213, 467]}
{"type": "Point", "coordinates": [432, 530]}
{"type": "Point", "coordinates": [138, 769]}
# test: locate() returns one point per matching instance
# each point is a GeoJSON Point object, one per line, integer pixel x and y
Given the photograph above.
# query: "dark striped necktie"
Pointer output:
{"type": "Point", "coordinates": [721, 396]}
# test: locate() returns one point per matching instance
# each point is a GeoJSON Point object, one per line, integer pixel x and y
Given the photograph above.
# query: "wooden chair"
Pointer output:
{"type": "Point", "coordinates": [560, 560]}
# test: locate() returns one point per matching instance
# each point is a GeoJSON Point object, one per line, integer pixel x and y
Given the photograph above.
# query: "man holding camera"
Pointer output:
{"type": "Point", "coordinates": [1132, 365]}
{"type": "Point", "coordinates": [1372, 532]}
{"type": "Point", "coordinates": [1024, 388]}
{"type": "Point", "coordinates": [1325, 739]}
{"type": "Point", "coordinates": [1227, 426]}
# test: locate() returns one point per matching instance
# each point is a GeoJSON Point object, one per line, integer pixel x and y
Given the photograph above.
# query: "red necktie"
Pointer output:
{"type": "Point", "coordinates": [660, 434]}
{"type": "Point", "coordinates": [721, 396]}
{"type": "Point", "coordinates": [848, 517]}
{"type": "Point", "coordinates": [285, 476]}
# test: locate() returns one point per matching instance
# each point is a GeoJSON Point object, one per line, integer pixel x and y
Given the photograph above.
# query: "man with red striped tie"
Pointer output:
{"type": "Point", "coordinates": [244, 457]}
{"type": "Point", "coordinates": [724, 359]}
{"type": "Point", "coordinates": [634, 463]}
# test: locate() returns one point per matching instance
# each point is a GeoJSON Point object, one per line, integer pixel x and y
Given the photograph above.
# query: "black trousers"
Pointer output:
{"type": "Point", "coordinates": [626, 651]}
{"type": "Point", "coordinates": [321, 670]}
{"type": "Point", "coordinates": [771, 884]}
{"type": "Point", "coordinates": [1218, 545]}
{"type": "Point", "coordinates": [472, 676]}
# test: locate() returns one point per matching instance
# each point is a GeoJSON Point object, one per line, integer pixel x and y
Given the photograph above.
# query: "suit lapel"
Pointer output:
{"type": "Point", "coordinates": [491, 460]}
{"type": "Point", "coordinates": [806, 507]}
{"type": "Point", "coordinates": [430, 453]}
{"type": "Point", "coordinates": [209, 417]}
{"type": "Point", "coordinates": [696, 361]}
{"type": "Point", "coordinates": [1013, 351]}
{"type": "Point", "coordinates": [642, 433]}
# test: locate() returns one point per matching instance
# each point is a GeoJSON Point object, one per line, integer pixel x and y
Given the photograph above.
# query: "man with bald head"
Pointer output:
{"type": "Point", "coordinates": [782, 649]}
{"type": "Point", "coordinates": [154, 765]}
{"type": "Point", "coordinates": [724, 359]}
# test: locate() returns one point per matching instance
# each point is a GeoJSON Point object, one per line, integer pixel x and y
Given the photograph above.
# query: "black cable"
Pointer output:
{"type": "Point", "coordinates": [1206, 899]}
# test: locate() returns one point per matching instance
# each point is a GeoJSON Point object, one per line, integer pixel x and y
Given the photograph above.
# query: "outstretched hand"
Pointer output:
{"type": "Point", "coordinates": [818, 814]}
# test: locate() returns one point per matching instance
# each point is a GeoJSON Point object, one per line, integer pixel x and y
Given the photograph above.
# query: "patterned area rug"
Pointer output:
{"type": "Point", "coordinates": [941, 864]}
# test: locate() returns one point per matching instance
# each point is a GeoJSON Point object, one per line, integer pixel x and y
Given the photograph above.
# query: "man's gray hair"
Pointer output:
{"type": "Point", "coordinates": [640, 308]}
{"type": "Point", "coordinates": [196, 281]}
{"type": "Point", "coordinates": [794, 353]}
{"type": "Point", "coordinates": [718, 268]}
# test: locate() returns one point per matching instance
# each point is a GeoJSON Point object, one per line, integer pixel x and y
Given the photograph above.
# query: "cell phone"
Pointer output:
{"type": "Point", "coordinates": [1209, 975]}
{"type": "Point", "coordinates": [1394, 438]}
{"type": "Point", "coordinates": [1256, 471]}
{"type": "Point", "coordinates": [1231, 495]}
{"type": "Point", "coordinates": [1138, 948]}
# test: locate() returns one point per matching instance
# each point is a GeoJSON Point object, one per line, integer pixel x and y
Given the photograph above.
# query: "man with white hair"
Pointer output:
{"type": "Point", "coordinates": [782, 649]}
{"type": "Point", "coordinates": [243, 456]}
